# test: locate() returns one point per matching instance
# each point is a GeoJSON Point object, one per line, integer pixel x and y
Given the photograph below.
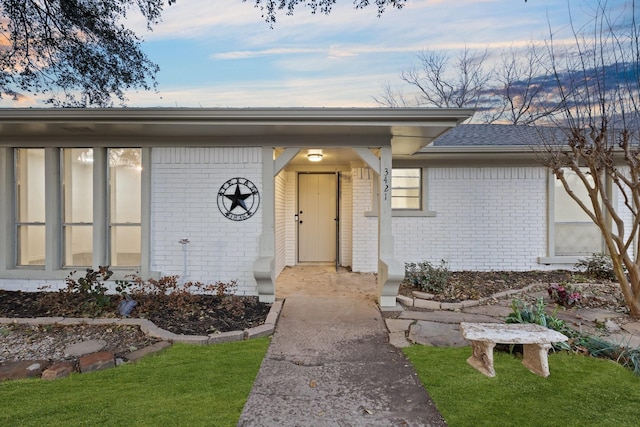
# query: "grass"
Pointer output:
{"type": "Point", "coordinates": [183, 385]}
{"type": "Point", "coordinates": [581, 391]}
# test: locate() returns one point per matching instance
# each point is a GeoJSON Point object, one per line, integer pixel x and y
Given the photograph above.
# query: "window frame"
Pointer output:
{"type": "Point", "coordinates": [551, 257]}
{"type": "Point", "coordinates": [18, 224]}
{"type": "Point", "coordinates": [53, 268]}
{"type": "Point", "coordinates": [423, 211]}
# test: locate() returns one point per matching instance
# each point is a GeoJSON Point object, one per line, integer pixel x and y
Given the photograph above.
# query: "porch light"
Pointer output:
{"type": "Point", "coordinates": [314, 155]}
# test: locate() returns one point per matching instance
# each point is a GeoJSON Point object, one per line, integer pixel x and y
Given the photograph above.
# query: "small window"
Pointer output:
{"type": "Point", "coordinates": [406, 188]}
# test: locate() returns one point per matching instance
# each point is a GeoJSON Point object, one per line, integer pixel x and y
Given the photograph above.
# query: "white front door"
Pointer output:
{"type": "Point", "coordinates": [317, 217]}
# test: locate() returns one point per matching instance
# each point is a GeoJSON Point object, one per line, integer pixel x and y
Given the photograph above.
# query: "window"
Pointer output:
{"type": "Point", "coordinates": [125, 167]}
{"type": "Point", "coordinates": [74, 207]}
{"type": "Point", "coordinates": [408, 193]}
{"type": "Point", "coordinates": [30, 206]}
{"type": "Point", "coordinates": [77, 206]}
{"type": "Point", "coordinates": [406, 188]}
{"type": "Point", "coordinates": [574, 234]}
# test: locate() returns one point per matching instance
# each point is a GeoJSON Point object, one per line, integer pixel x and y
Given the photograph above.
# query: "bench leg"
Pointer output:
{"type": "Point", "coordinates": [482, 358]}
{"type": "Point", "coordinates": [535, 358]}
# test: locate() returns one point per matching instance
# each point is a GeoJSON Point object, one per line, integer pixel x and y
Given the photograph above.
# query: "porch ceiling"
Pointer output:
{"type": "Point", "coordinates": [408, 129]}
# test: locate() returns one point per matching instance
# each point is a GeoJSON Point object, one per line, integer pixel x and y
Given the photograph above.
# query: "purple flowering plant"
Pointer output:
{"type": "Point", "coordinates": [564, 295]}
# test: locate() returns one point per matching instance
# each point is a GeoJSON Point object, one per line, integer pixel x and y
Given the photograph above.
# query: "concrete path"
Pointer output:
{"type": "Point", "coordinates": [330, 362]}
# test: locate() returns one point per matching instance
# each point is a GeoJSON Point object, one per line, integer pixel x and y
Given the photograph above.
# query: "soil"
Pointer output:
{"type": "Point", "coordinates": [474, 285]}
{"type": "Point", "coordinates": [184, 314]}
{"type": "Point", "coordinates": [188, 315]}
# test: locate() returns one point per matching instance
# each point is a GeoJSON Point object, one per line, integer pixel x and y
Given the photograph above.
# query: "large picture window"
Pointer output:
{"type": "Point", "coordinates": [76, 207]}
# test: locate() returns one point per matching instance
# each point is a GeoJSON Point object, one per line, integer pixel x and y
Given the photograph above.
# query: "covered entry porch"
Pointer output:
{"type": "Point", "coordinates": [351, 182]}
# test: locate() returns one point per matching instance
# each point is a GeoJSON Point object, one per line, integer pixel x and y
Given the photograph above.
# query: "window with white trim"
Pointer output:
{"type": "Point", "coordinates": [574, 233]}
{"type": "Point", "coordinates": [75, 207]}
{"type": "Point", "coordinates": [29, 206]}
{"type": "Point", "coordinates": [125, 167]}
{"type": "Point", "coordinates": [408, 193]}
{"type": "Point", "coordinates": [406, 188]}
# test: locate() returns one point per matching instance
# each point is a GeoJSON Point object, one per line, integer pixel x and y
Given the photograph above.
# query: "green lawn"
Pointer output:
{"type": "Point", "coordinates": [184, 385]}
{"type": "Point", "coordinates": [581, 391]}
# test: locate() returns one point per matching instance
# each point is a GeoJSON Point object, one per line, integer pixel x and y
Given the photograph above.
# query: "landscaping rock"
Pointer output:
{"type": "Point", "coordinates": [437, 334]}
{"type": "Point", "coordinates": [22, 369]}
{"type": "Point", "coordinates": [97, 361]}
{"type": "Point", "coordinates": [134, 356]}
{"type": "Point", "coordinates": [84, 347]}
{"type": "Point", "coordinates": [58, 370]}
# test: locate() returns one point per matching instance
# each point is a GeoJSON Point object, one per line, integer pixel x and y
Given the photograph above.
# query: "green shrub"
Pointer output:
{"type": "Point", "coordinates": [578, 342]}
{"type": "Point", "coordinates": [427, 277]}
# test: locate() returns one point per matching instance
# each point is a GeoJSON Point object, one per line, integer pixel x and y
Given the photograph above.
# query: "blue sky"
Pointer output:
{"type": "Point", "coordinates": [222, 54]}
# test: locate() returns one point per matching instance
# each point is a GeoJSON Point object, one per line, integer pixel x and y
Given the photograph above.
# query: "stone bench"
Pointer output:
{"type": "Point", "coordinates": [536, 342]}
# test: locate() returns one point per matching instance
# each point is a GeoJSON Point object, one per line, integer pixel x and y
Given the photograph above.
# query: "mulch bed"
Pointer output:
{"type": "Point", "coordinates": [195, 315]}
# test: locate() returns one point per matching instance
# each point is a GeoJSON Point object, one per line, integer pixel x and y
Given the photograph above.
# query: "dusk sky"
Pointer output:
{"type": "Point", "coordinates": [223, 54]}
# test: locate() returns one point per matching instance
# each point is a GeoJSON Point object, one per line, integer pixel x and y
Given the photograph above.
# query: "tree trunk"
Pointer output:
{"type": "Point", "coordinates": [628, 286]}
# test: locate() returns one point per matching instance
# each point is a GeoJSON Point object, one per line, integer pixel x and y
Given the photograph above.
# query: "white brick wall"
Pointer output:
{"type": "Point", "coordinates": [486, 219]}
{"type": "Point", "coordinates": [365, 229]}
{"type": "Point", "coordinates": [185, 182]}
{"type": "Point", "coordinates": [346, 219]}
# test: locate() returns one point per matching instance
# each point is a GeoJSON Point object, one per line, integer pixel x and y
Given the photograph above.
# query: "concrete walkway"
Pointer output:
{"type": "Point", "coordinates": [330, 362]}
{"type": "Point", "coordinates": [334, 361]}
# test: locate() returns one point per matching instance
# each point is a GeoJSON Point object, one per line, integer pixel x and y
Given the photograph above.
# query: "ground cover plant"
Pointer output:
{"type": "Point", "coordinates": [183, 385]}
{"type": "Point", "coordinates": [581, 391]}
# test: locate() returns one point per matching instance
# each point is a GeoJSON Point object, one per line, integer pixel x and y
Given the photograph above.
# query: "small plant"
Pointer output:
{"type": "Point", "coordinates": [578, 342]}
{"type": "Point", "coordinates": [597, 266]}
{"type": "Point", "coordinates": [427, 277]}
{"type": "Point", "coordinates": [522, 312]}
{"type": "Point", "coordinates": [91, 288]}
{"type": "Point", "coordinates": [153, 295]}
{"type": "Point", "coordinates": [564, 295]}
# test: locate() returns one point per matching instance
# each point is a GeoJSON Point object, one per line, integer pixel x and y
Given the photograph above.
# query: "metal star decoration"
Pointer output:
{"type": "Point", "coordinates": [237, 199]}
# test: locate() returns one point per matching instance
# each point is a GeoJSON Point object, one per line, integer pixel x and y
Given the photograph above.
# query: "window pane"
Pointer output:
{"type": "Point", "coordinates": [405, 203]}
{"type": "Point", "coordinates": [574, 232]}
{"type": "Point", "coordinates": [406, 188]}
{"type": "Point", "coordinates": [77, 181]}
{"type": "Point", "coordinates": [125, 246]}
{"type": "Point", "coordinates": [125, 168]}
{"type": "Point", "coordinates": [78, 245]}
{"type": "Point", "coordinates": [30, 206]}
{"type": "Point", "coordinates": [31, 245]}
{"type": "Point", "coordinates": [78, 185]}
{"type": "Point", "coordinates": [30, 185]}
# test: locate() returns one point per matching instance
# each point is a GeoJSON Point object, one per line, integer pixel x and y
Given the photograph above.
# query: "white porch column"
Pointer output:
{"type": "Point", "coordinates": [264, 266]}
{"type": "Point", "coordinates": [390, 271]}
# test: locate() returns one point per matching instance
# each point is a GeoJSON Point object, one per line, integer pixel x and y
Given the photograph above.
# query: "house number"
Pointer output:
{"type": "Point", "coordinates": [386, 183]}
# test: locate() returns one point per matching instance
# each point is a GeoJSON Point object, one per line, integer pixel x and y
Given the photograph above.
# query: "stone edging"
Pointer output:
{"type": "Point", "coordinates": [149, 328]}
{"type": "Point", "coordinates": [103, 360]}
{"type": "Point", "coordinates": [424, 300]}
